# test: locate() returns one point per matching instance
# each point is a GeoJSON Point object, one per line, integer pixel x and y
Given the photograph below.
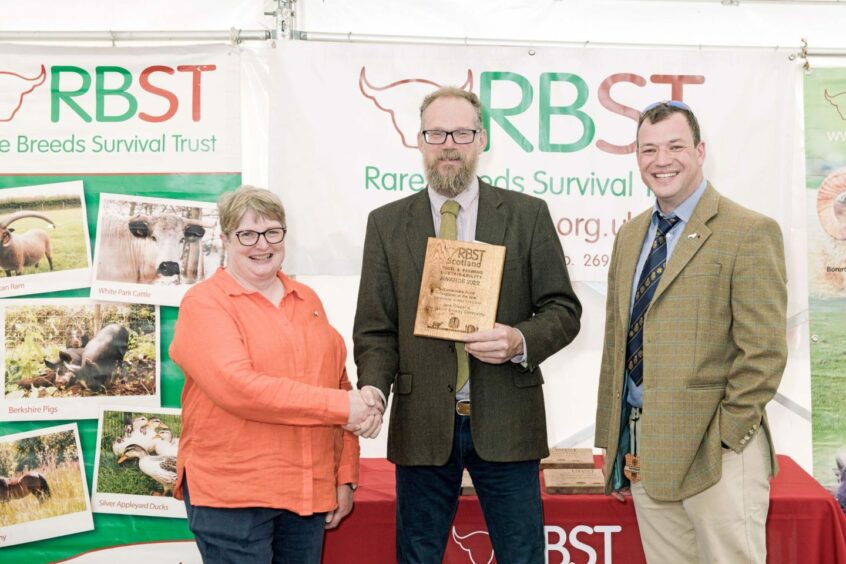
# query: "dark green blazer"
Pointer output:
{"type": "Point", "coordinates": [508, 416]}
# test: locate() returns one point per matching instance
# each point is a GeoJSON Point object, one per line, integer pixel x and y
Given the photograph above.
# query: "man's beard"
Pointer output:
{"type": "Point", "coordinates": [454, 182]}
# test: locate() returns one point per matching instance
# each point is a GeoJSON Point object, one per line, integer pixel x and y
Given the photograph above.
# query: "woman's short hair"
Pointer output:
{"type": "Point", "coordinates": [231, 206]}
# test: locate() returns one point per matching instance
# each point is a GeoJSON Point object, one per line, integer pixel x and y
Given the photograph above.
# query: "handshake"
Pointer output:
{"type": "Point", "coordinates": [366, 409]}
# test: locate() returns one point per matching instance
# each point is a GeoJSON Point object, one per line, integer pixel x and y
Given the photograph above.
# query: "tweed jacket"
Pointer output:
{"type": "Point", "coordinates": [508, 418]}
{"type": "Point", "coordinates": [715, 345]}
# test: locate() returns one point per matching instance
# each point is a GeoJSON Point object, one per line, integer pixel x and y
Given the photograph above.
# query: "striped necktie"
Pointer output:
{"type": "Point", "coordinates": [449, 230]}
{"type": "Point", "coordinates": [649, 279]}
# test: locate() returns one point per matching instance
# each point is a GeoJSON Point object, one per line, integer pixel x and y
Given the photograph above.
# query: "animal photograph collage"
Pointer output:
{"type": "Point", "coordinates": [91, 358]}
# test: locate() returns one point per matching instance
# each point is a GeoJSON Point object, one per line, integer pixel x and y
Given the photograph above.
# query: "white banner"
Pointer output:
{"type": "Point", "coordinates": [100, 110]}
{"type": "Point", "coordinates": [561, 126]}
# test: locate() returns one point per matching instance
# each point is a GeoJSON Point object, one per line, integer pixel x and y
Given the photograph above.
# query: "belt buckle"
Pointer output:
{"type": "Point", "coordinates": [462, 407]}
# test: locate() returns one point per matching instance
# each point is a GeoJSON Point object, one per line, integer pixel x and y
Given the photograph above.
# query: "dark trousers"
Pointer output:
{"type": "Point", "coordinates": [509, 493]}
{"type": "Point", "coordinates": [253, 535]}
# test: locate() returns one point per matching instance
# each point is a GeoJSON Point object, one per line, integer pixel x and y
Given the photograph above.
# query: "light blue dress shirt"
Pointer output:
{"type": "Point", "coordinates": [634, 395]}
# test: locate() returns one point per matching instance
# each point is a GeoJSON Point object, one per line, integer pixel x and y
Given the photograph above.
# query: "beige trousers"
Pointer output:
{"type": "Point", "coordinates": [724, 524]}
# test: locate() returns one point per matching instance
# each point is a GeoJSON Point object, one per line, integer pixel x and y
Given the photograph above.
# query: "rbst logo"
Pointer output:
{"type": "Point", "coordinates": [401, 102]}
{"type": "Point", "coordinates": [115, 82]}
{"type": "Point", "coordinates": [110, 94]}
{"type": "Point", "coordinates": [594, 542]}
{"type": "Point", "coordinates": [13, 88]}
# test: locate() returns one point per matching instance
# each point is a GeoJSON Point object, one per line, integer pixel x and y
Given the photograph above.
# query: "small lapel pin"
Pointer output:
{"type": "Point", "coordinates": [693, 236]}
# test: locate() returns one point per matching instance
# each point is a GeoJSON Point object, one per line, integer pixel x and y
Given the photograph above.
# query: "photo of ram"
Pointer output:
{"type": "Point", "coordinates": [65, 357]}
{"type": "Point", "coordinates": [151, 250]}
{"type": "Point", "coordinates": [43, 493]}
{"type": "Point", "coordinates": [44, 243]}
{"type": "Point", "coordinates": [136, 459]}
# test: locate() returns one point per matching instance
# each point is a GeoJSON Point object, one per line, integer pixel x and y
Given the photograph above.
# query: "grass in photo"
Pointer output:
{"type": "Point", "coordinates": [828, 382]}
{"type": "Point", "coordinates": [42, 233]}
{"type": "Point", "coordinates": [40, 478]}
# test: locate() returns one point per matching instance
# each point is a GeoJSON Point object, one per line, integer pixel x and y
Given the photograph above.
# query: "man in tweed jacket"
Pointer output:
{"type": "Point", "coordinates": [713, 353]}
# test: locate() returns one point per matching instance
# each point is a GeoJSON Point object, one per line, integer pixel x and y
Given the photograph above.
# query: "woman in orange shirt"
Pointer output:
{"type": "Point", "coordinates": [264, 464]}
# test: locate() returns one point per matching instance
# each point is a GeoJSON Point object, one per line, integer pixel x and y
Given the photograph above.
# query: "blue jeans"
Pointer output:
{"type": "Point", "coordinates": [252, 535]}
{"type": "Point", "coordinates": [509, 493]}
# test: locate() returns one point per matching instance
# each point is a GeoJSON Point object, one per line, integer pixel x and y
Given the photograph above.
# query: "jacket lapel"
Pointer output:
{"type": "Point", "coordinates": [492, 219]}
{"type": "Point", "coordinates": [629, 249]}
{"type": "Point", "coordinates": [419, 227]}
{"type": "Point", "coordinates": [695, 233]}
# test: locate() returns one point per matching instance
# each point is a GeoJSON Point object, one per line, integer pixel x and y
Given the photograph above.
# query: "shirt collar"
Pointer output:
{"type": "Point", "coordinates": [684, 211]}
{"type": "Point", "coordinates": [232, 288]}
{"type": "Point", "coordinates": [465, 199]}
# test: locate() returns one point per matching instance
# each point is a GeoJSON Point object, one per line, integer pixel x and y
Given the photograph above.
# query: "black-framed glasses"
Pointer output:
{"type": "Point", "coordinates": [250, 238]}
{"type": "Point", "coordinates": [669, 103]}
{"type": "Point", "coordinates": [459, 136]}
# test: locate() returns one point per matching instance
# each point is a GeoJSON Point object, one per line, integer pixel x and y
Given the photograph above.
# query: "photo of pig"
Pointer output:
{"type": "Point", "coordinates": [43, 239]}
{"type": "Point", "coordinates": [80, 350]}
{"type": "Point", "coordinates": [152, 250]}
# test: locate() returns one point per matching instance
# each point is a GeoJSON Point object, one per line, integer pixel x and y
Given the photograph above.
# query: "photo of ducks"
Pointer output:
{"type": "Point", "coordinates": [64, 357]}
{"type": "Point", "coordinates": [135, 468]}
{"type": "Point", "coordinates": [43, 493]}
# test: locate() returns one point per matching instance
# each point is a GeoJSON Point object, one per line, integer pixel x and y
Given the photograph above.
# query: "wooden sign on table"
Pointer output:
{"type": "Point", "coordinates": [573, 481]}
{"type": "Point", "coordinates": [459, 291]}
{"type": "Point", "coordinates": [568, 458]}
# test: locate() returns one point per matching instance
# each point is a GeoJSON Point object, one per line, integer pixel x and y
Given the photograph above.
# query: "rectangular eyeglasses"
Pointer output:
{"type": "Point", "coordinates": [250, 238]}
{"type": "Point", "coordinates": [459, 136]}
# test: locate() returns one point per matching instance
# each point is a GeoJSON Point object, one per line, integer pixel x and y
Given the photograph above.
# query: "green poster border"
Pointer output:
{"type": "Point", "coordinates": [112, 530]}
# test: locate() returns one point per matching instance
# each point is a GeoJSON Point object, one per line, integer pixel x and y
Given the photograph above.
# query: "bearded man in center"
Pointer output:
{"type": "Point", "coordinates": [476, 405]}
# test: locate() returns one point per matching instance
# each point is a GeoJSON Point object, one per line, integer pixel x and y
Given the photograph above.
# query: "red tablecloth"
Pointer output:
{"type": "Point", "coordinates": [805, 525]}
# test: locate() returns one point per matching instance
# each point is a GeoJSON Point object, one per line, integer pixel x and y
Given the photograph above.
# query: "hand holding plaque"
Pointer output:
{"type": "Point", "coordinates": [459, 291]}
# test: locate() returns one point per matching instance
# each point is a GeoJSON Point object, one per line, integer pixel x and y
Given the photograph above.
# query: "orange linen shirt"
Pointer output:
{"type": "Point", "coordinates": [264, 398]}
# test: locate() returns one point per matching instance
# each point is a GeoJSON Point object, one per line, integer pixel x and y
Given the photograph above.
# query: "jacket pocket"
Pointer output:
{"type": "Point", "coordinates": [707, 386]}
{"type": "Point", "coordinates": [528, 379]}
{"type": "Point", "coordinates": [712, 269]}
{"type": "Point", "coordinates": [402, 384]}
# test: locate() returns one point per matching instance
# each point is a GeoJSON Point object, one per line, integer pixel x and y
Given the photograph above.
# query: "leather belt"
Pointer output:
{"type": "Point", "coordinates": [462, 407]}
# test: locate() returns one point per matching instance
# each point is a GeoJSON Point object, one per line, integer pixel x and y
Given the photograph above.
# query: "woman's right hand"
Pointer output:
{"type": "Point", "coordinates": [365, 417]}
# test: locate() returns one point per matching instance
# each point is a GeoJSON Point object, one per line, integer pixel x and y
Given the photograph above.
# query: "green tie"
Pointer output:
{"type": "Point", "coordinates": [449, 230]}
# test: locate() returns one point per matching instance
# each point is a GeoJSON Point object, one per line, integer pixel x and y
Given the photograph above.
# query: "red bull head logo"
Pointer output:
{"type": "Point", "coordinates": [476, 544]}
{"type": "Point", "coordinates": [838, 101]}
{"type": "Point", "coordinates": [401, 100]}
{"type": "Point", "coordinates": [13, 89]}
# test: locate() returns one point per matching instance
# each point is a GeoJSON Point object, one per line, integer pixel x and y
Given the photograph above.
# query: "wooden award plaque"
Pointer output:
{"type": "Point", "coordinates": [459, 291]}
{"type": "Point", "coordinates": [568, 458]}
{"type": "Point", "coordinates": [573, 481]}
{"type": "Point", "coordinates": [467, 484]}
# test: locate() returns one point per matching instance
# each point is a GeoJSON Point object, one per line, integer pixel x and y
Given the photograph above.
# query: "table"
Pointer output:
{"type": "Point", "coordinates": [804, 525]}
